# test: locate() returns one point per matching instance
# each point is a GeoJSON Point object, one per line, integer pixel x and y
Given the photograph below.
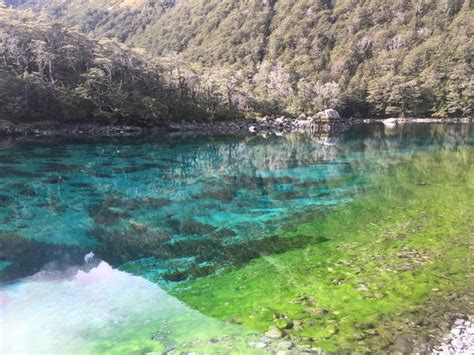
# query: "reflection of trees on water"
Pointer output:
{"type": "Point", "coordinates": [195, 204]}
{"type": "Point", "coordinates": [300, 149]}
{"type": "Point", "coordinates": [262, 164]}
{"type": "Point", "coordinates": [251, 153]}
{"type": "Point", "coordinates": [409, 136]}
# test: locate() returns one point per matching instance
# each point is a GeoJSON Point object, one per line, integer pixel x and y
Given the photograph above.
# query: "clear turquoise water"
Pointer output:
{"type": "Point", "coordinates": [163, 209]}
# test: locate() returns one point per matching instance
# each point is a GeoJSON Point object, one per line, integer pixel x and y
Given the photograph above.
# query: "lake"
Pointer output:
{"type": "Point", "coordinates": [358, 241]}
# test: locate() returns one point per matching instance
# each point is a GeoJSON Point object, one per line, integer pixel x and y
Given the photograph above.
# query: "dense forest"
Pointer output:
{"type": "Point", "coordinates": [364, 58]}
{"type": "Point", "coordinates": [52, 73]}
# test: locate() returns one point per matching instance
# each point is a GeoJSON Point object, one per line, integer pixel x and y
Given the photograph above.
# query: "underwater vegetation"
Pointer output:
{"type": "Point", "coordinates": [209, 255]}
{"type": "Point", "coordinates": [396, 262]}
{"type": "Point", "coordinates": [363, 244]}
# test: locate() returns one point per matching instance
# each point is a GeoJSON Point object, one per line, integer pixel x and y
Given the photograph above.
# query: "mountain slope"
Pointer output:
{"type": "Point", "coordinates": [52, 73]}
{"type": "Point", "coordinates": [363, 57]}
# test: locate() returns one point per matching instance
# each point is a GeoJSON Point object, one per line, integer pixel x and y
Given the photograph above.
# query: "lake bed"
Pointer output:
{"type": "Point", "coordinates": [359, 241]}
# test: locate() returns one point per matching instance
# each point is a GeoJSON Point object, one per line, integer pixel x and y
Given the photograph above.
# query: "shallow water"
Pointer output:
{"type": "Point", "coordinates": [105, 310]}
{"type": "Point", "coordinates": [159, 211]}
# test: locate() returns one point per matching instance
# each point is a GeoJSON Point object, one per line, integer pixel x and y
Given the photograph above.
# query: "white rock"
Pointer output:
{"type": "Point", "coordinates": [456, 331]}
{"type": "Point", "coordinates": [260, 345]}
{"type": "Point", "coordinates": [285, 345]}
{"type": "Point", "coordinates": [390, 122]}
{"type": "Point", "coordinates": [458, 343]}
{"type": "Point", "coordinates": [327, 115]}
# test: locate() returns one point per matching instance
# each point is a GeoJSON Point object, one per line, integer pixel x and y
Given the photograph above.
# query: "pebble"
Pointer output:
{"type": "Point", "coordinates": [273, 333]}
{"type": "Point", "coordinates": [456, 331]}
{"type": "Point", "coordinates": [260, 345]}
{"type": "Point", "coordinates": [285, 345]}
{"type": "Point", "coordinates": [459, 341]}
{"type": "Point", "coordinates": [358, 336]}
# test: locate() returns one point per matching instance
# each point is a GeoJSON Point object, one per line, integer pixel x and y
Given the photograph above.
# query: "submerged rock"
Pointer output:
{"type": "Point", "coordinates": [358, 336]}
{"type": "Point", "coordinates": [285, 345]}
{"type": "Point", "coordinates": [274, 333]}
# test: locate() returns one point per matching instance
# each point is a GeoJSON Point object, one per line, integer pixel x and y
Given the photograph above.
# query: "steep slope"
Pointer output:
{"type": "Point", "coordinates": [51, 73]}
{"type": "Point", "coordinates": [375, 57]}
{"type": "Point", "coordinates": [102, 18]}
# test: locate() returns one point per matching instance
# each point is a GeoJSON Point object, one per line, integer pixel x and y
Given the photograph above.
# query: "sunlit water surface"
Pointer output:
{"type": "Point", "coordinates": [92, 232]}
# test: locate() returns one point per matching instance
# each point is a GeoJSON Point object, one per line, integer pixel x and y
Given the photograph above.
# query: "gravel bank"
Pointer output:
{"type": "Point", "coordinates": [460, 340]}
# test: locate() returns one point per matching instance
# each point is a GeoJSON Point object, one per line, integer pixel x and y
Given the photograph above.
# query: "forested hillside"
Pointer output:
{"type": "Point", "coordinates": [50, 73]}
{"type": "Point", "coordinates": [377, 58]}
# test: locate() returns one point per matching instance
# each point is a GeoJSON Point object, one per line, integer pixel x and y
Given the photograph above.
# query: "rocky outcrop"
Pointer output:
{"type": "Point", "coordinates": [390, 122]}
{"type": "Point", "coordinates": [327, 115]}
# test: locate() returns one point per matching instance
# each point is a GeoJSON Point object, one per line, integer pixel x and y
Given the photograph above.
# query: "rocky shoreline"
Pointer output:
{"type": "Point", "coordinates": [277, 125]}
{"type": "Point", "coordinates": [460, 340]}
{"type": "Point", "coordinates": [261, 125]}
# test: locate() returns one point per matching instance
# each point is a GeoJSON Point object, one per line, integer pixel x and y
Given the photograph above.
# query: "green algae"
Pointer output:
{"type": "Point", "coordinates": [149, 339]}
{"type": "Point", "coordinates": [125, 315]}
{"type": "Point", "coordinates": [372, 276]}
{"type": "Point", "coordinates": [202, 256]}
{"type": "Point", "coordinates": [403, 246]}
